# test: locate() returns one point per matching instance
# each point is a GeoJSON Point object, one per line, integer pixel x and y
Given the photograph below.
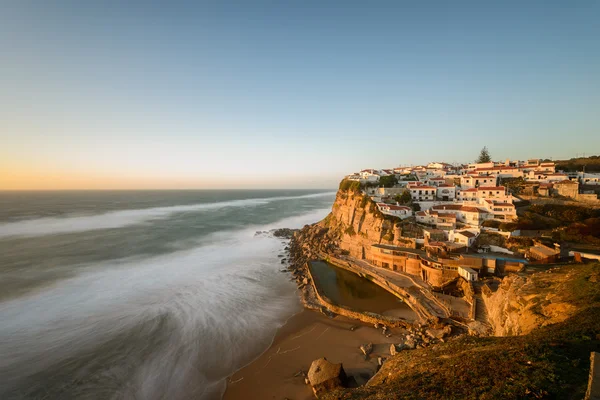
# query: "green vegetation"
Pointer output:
{"type": "Point", "coordinates": [388, 181]}
{"type": "Point", "coordinates": [570, 223]}
{"type": "Point", "coordinates": [403, 198]}
{"type": "Point", "coordinates": [551, 362]}
{"type": "Point", "coordinates": [364, 201]}
{"type": "Point", "coordinates": [514, 185]}
{"type": "Point", "coordinates": [490, 223]}
{"type": "Point", "coordinates": [350, 231]}
{"type": "Point", "coordinates": [564, 213]}
{"type": "Point", "coordinates": [484, 156]}
{"type": "Point", "coordinates": [592, 164]}
{"type": "Point", "coordinates": [349, 186]}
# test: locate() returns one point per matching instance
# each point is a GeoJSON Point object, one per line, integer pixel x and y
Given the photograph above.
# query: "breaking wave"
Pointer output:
{"type": "Point", "coordinates": [122, 218]}
{"type": "Point", "coordinates": [172, 326]}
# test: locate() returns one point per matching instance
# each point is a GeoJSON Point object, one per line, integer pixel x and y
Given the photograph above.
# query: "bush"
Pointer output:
{"type": "Point", "coordinates": [350, 231]}
{"type": "Point", "coordinates": [490, 223]}
{"type": "Point", "coordinates": [404, 198]}
{"type": "Point", "coordinates": [388, 181]}
{"type": "Point", "coordinates": [508, 226]}
{"type": "Point", "coordinates": [348, 185]}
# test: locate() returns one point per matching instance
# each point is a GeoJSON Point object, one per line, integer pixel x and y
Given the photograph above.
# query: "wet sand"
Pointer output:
{"type": "Point", "coordinates": [305, 337]}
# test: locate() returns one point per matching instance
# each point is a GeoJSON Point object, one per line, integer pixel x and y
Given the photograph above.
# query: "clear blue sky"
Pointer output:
{"type": "Point", "coordinates": [287, 93]}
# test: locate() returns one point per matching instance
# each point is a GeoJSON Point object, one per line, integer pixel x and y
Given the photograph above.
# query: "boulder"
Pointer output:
{"type": "Point", "coordinates": [393, 350]}
{"type": "Point", "coordinates": [366, 348]}
{"type": "Point", "coordinates": [285, 233]}
{"type": "Point", "coordinates": [325, 376]}
{"type": "Point", "coordinates": [305, 281]}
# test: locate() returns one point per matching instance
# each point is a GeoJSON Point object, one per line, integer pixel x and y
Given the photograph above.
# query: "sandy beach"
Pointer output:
{"type": "Point", "coordinates": [309, 335]}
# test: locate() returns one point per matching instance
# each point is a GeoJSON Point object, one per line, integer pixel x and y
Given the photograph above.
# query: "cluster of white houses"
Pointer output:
{"type": "Point", "coordinates": [478, 174]}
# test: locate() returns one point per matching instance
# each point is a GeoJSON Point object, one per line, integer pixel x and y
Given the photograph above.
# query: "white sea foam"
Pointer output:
{"type": "Point", "coordinates": [122, 218]}
{"type": "Point", "coordinates": [173, 326]}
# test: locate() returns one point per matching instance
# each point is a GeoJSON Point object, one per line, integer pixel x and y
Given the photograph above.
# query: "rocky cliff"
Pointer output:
{"type": "Point", "coordinates": [523, 303]}
{"type": "Point", "coordinates": [355, 223]}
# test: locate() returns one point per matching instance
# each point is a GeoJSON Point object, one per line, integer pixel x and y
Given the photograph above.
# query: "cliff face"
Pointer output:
{"type": "Point", "coordinates": [355, 223]}
{"type": "Point", "coordinates": [522, 304]}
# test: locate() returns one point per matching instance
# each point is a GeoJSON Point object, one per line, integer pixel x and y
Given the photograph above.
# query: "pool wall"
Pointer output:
{"type": "Point", "coordinates": [412, 296]}
{"type": "Point", "coordinates": [364, 316]}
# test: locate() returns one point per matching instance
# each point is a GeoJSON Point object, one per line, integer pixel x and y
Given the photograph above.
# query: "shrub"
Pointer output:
{"type": "Point", "coordinates": [348, 185]}
{"type": "Point", "coordinates": [490, 223]}
{"type": "Point", "coordinates": [388, 181]}
{"type": "Point", "coordinates": [350, 231]}
{"type": "Point", "coordinates": [508, 226]}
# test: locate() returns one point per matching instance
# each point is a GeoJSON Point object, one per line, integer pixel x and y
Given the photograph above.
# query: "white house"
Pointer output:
{"type": "Point", "coordinates": [499, 211]}
{"type": "Point", "coordinates": [440, 220]}
{"type": "Point", "coordinates": [474, 166]}
{"type": "Point", "coordinates": [464, 237]}
{"type": "Point", "coordinates": [545, 177]}
{"type": "Point", "coordinates": [395, 210]}
{"type": "Point", "coordinates": [422, 193]}
{"type": "Point", "coordinates": [497, 193]}
{"type": "Point", "coordinates": [436, 181]}
{"type": "Point", "coordinates": [501, 172]}
{"type": "Point", "coordinates": [471, 181]}
{"type": "Point", "coordinates": [446, 192]}
{"type": "Point", "coordinates": [468, 274]}
{"type": "Point", "coordinates": [369, 175]}
{"type": "Point", "coordinates": [467, 214]}
{"type": "Point", "coordinates": [589, 179]}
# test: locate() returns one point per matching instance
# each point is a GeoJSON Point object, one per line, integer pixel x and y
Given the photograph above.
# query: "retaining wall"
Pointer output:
{"type": "Point", "coordinates": [364, 316]}
{"type": "Point", "coordinates": [409, 295]}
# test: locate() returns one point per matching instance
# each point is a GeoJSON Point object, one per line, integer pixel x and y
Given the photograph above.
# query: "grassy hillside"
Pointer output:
{"type": "Point", "coordinates": [551, 362]}
{"type": "Point", "coordinates": [592, 164]}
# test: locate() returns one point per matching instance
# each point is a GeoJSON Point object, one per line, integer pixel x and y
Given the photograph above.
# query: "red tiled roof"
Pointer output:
{"type": "Point", "coordinates": [504, 205]}
{"type": "Point", "coordinates": [494, 168]}
{"type": "Point", "coordinates": [467, 234]}
{"type": "Point", "coordinates": [455, 207]}
{"type": "Point", "coordinates": [423, 187]}
{"type": "Point", "coordinates": [472, 209]}
{"type": "Point", "coordinates": [491, 188]}
{"type": "Point", "coordinates": [421, 213]}
{"type": "Point", "coordinates": [445, 185]}
{"type": "Point", "coordinates": [448, 215]}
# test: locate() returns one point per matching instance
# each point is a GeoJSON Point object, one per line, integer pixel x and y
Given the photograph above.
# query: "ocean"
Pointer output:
{"type": "Point", "coordinates": [142, 294]}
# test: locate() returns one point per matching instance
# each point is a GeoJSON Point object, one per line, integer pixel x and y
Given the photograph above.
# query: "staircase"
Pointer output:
{"type": "Point", "coordinates": [481, 314]}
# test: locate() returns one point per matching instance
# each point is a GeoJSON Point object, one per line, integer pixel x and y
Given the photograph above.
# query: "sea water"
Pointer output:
{"type": "Point", "coordinates": [141, 294]}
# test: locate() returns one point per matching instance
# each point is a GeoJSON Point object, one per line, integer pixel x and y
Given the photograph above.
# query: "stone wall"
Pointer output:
{"type": "Point", "coordinates": [368, 317]}
{"type": "Point", "coordinates": [417, 300]}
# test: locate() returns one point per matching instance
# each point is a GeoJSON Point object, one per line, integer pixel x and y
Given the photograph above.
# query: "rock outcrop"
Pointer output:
{"type": "Point", "coordinates": [523, 303]}
{"type": "Point", "coordinates": [354, 224]}
{"type": "Point", "coordinates": [325, 376]}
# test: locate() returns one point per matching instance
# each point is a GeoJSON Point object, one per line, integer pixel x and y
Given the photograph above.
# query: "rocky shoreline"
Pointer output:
{"type": "Point", "coordinates": [310, 243]}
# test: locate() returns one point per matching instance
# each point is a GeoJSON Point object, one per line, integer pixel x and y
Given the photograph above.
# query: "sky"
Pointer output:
{"type": "Point", "coordinates": [287, 94]}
